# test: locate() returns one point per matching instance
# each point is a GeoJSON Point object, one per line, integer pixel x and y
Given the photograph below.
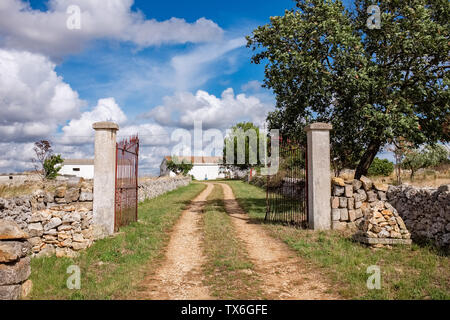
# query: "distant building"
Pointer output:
{"type": "Point", "coordinates": [83, 168]}
{"type": "Point", "coordinates": [204, 168]}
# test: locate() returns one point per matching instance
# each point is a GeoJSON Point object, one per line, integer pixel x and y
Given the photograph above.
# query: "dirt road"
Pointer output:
{"type": "Point", "coordinates": [281, 271]}
{"type": "Point", "coordinates": [180, 276]}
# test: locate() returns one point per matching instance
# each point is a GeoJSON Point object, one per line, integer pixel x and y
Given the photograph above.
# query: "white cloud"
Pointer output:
{"type": "Point", "coordinates": [149, 134]}
{"type": "Point", "coordinates": [46, 32]}
{"type": "Point", "coordinates": [184, 108]}
{"type": "Point", "coordinates": [34, 100]}
{"type": "Point", "coordinates": [79, 131]}
{"type": "Point", "coordinates": [16, 157]}
{"type": "Point", "coordinates": [252, 86]}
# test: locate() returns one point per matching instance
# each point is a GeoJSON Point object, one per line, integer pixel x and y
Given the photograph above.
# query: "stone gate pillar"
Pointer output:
{"type": "Point", "coordinates": [105, 175]}
{"type": "Point", "coordinates": [319, 176]}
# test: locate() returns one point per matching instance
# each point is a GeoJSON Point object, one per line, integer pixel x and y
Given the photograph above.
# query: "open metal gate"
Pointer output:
{"type": "Point", "coordinates": [286, 191]}
{"type": "Point", "coordinates": [126, 204]}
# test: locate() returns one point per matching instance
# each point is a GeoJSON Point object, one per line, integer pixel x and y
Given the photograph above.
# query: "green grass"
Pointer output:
{"type": "Point", "coordinates": [229, 272]}
{"type": "Point", "coordinates": [407, 272]}
{"type": "Point", "coordinates": [113, 267]}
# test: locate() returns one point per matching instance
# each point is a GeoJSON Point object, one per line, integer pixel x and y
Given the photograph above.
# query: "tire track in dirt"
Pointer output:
{"type": "Point", "coordinates": [180, 275]}
{"type": "Point", "coordinates": [283, 276]}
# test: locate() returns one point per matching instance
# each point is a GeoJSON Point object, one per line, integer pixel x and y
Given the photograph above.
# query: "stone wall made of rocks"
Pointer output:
{"type": "Point", "coordinates": [426, 212]}
{"type": "Point", "coordinates": [153, 188]}
{"type": "Point", "coordinates": [58, 218]}
{"type": "Point", "coordinates": [14, 261]}
{"type": "Point", "coordinates": [362, 206]}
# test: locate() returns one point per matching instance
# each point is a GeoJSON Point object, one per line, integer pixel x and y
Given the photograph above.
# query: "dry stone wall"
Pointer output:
{"type": "Point", "coordinates": [362, 206]}
{"type": "Point", "coordinates": [57, 217]}
{"type": "Point", "coordinates": [153, 188]}
{"type": "Point", "coordinates": [426, 212]}
{"type": "Point", "coordinates": [14, 261]}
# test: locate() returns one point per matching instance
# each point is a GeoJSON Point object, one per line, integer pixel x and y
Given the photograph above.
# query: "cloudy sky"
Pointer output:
{"type": "Point", "coordinates": [151, 66]}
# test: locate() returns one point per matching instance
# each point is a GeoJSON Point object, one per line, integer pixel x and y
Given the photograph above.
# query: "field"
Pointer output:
{"type": "Point", "coordinates": [407, 272]}
{"type": "Point", "coordinates": [112, 267]}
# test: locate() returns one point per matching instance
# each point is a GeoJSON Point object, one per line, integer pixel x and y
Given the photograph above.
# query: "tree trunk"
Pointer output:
{"type": "Point", "coordinates": [367, 158]}
{"type": "Point", "coordinates": [412, 175]}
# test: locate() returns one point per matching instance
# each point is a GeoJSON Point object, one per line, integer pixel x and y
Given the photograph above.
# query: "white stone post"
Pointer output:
{"type": "Point", "coordinates": [319, 176]}
{"type": "Point", "coordinates": [105, 175]}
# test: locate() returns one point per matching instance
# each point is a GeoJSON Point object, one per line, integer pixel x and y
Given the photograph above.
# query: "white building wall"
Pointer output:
{"type": "Point", "coordinates": [86, 171]}
{"type": "Point", "coordinates": [211, 172]}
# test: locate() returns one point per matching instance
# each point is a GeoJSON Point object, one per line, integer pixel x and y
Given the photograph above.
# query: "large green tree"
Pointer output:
{"type": "Point", "coordinates": [373, 85]}
{"type": "Point", "coordinates": [239, 141]}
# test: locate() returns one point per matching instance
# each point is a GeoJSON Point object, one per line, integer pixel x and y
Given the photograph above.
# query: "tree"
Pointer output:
{"type": "Point", "coordinates": [240, 139]}
{"type": "Point", "coordinates": [429, 156]}
{"type": "Point", "coordinates": [45, 162]}
{"type": "Point", "coordinates": [381, 167]}
{"type": "Point", "coordinates": [373, 85]}
{"type": "Point", "coordinates": [399, 147]}
{"type": "Point", "coordinates": [179, 167]}
{"type": "Point", "coordinates": [51, 167]}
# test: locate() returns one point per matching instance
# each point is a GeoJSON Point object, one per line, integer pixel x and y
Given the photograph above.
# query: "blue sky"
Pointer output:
{"type": "Point", "coordinates": [151, 66]}
{"type": "Point", "coordinates": [90, 72]}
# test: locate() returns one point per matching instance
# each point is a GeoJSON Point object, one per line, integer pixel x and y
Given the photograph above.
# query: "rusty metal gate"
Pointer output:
{"type": "Point", "coordinates": [286, 191]}
{"type": "Point", "coordinates": [126, 204]}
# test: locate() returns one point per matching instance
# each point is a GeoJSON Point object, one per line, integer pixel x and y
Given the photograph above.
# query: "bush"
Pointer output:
{"type": "Point", "coordinates": [381, 167]}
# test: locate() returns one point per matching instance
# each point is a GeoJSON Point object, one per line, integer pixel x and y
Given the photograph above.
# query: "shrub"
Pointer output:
{"type": "Point", "coordinates": [381, 167]}
{"type": "Point", "coordinates": [52, 166]}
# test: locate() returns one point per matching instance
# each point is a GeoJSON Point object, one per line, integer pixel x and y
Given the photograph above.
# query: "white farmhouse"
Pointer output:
{"type": "Point", "coordinates": [83, 168]}
{"type": "Point", "coordinates": [204, 168]}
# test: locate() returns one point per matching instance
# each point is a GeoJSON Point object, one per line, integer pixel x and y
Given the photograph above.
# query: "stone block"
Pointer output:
{"type": "Point", "coordinates": [60, 192]}
{"type": "Point", "coordinates": [338, 191]}
{"type": "Point", "coordinates": [335, 214]}
{"type": "Point", "coordinates": [372, 196]}
{"type": "Point", "coordinates": [344, 214]}
{"type": "Point", "coordinates": [11, 292]}
{"type": "Point", "coordinates": [380, 186]}
{"type": "Point", "coordinates": [357, 184]}
{"type": "Point", "coordinates": [369, 240]}
{"type": "Point", "coordinates": [382, 196]}
{"type": "Point", "coordinates": [348, 190]}
{"type": "Point", "coordinates": [336, 225]}
{"type": "Point", "coordinates": [60, 200]}
{"type": "Point", "coordinates": [35, 241]}
{"type": "Point", "coordinates": [13, 250]}
{"type": "Point", "coordinates": [10, 230]}
{"type": "Point", "coordinates": [338, 182]}
{"type": "Point", "coordinates": [77, 246]}
{"type": "Point", "coordinates": [343, 202]}
{"type": "Point", "coordinates": [351, 215]}
{"type": "Point", "coordinates": [366, 183]}
{"type": "Point", "coordinates": [334, 202]}
{"type": "Point", "coordinates": [86, 196]}
{"type": "Point", "coordinates": [53, 223]}
{"type": "Point", "coordinates": [46, 251]}
{"type": "Point", "coordinates": [361, 195]}
{"type": "Point", "coordinates": [359, 213]}
{"type": "Point", "coordinates": [351, 203]}
{"type": "Point", "coordinates": [15, 273]}
{"type": "Point", "coordinates": [27, 286]}
{"type": "Point", "coordinates": [35, 229]}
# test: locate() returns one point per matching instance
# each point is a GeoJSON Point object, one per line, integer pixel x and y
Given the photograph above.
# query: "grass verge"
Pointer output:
{"type": "Point", "coordinates": [113, 267]}
{"type": "Point", "coordinates": [229, 272]}
{"type": "Point", "coordinates": [407, 272]}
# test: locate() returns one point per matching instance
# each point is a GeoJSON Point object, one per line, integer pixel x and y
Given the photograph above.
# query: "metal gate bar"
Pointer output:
{"type": "Point", "coordinates": [126, 199]}
{"type": "Point", "coordinates": [286, 191]}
